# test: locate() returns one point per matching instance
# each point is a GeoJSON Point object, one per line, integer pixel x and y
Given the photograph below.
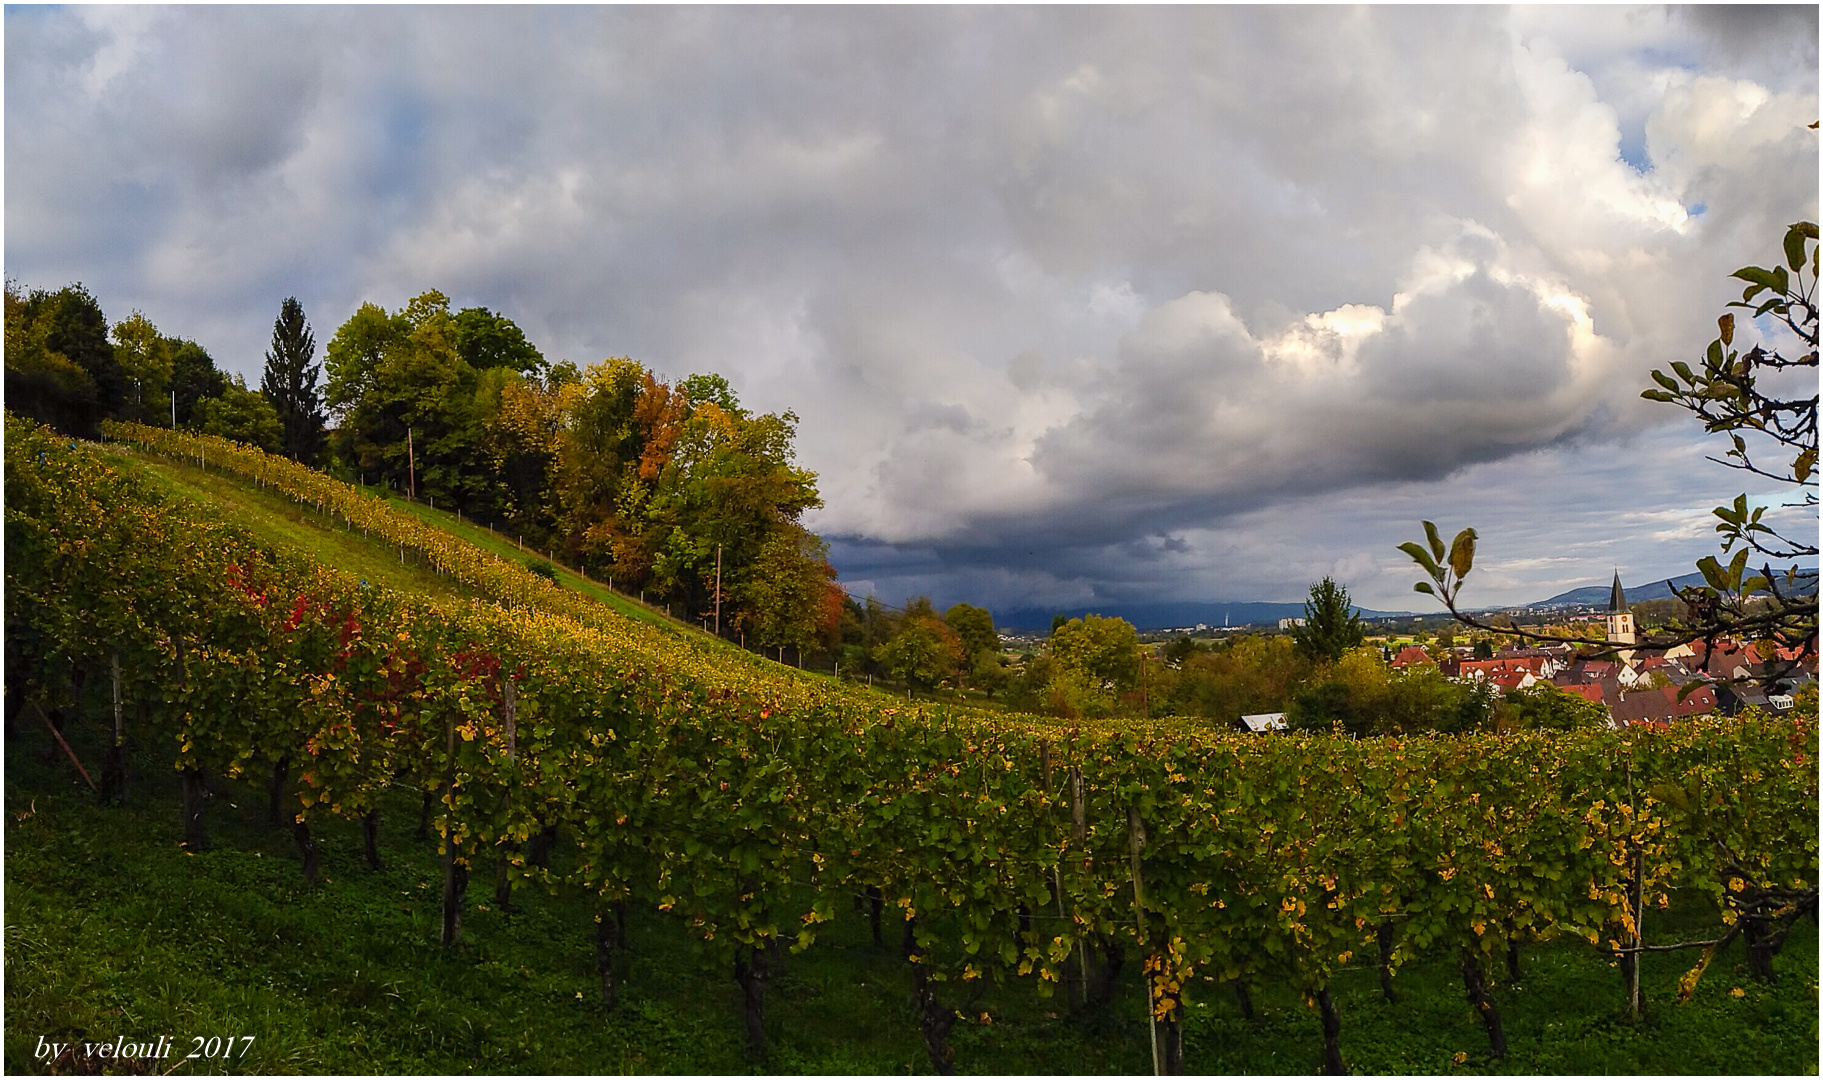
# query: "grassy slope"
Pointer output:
{"type": "Point", "coordinates": [488, 540]}
{"type": "Point", "coordinates": [286, 522]}
{"type": "Point", "coordinates": [112, 929]}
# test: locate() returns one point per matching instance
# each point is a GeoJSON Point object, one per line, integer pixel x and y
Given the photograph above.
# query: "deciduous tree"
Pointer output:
{"type": "Point", "coordinates": [1102, 651]}
{"type": "Point", "coordinates": [144, 358]}
{"type": "Point", "coordinates": [59, 360]}
{"type": "Point", "coordinates": [194, 376]}
{"type": "Point", "coordinates": [975, 626]}
{"type": "Point", "coordinates": [41, 382]}
{"type": "Point", "coordinates": [924, 653]}
{"type": "Point", "coordinates": [242, 415]}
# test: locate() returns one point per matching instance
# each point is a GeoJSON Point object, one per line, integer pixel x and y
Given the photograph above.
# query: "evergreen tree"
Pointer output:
{"type": "Point", "coordinates": [289, 382]}
{"type": "Point", "coordinates": [1331, 626]}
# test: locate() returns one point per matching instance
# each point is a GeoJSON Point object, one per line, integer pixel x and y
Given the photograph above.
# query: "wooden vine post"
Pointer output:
{"type": "Point", "coordinates": [1063, 915]}
{"type": "Point", "coordinates": [192, 783]}
{"type": "Point", "coordinates": [1079, 835]}
{"type": "Point", "coordinates": [1136, 843]}
{"type": "Point", "coordinates": [455, 875]}
{"type": "Point", "coordinates": [503, 887]}
{"type": "Point", "coordinates": [114, 769]}
{"type": "Point", "coordinates": [1635, 897]}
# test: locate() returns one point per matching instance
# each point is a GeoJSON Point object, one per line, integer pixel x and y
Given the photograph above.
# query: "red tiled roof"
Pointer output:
{"type": "Point", "coordinates": [1662, 704]}
{"type": "Point", "coordinates": [1412, 654]}
{"type": "Point", "coordinates": [1725, 655]}
{"type": "Point", "coordinates": [1509, 680]}
{"type": "Point", "coordinates": [1588, 691]}
{"type": "Point", "coordinates": [1701, 700]}
{"type": "Point", "coordinates": [1528, 664]}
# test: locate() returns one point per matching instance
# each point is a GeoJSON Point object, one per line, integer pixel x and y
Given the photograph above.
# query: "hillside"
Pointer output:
{"type": "Point", "coordinates": [1171, 615]}
{"type": "Point", "coordinates": [700, 812]}
{"type": "Point", "coordinates": [223, 495]}
{"type": "Point", "coordinates": [1657, 589]}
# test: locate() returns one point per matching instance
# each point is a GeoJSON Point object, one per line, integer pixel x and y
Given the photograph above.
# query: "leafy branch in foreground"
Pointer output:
{"type": "Point", "coordinates": [1741, 395]}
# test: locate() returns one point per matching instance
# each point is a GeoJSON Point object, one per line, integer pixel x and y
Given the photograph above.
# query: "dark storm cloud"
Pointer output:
{"type": "Point", "coordinates": [1068, 299]}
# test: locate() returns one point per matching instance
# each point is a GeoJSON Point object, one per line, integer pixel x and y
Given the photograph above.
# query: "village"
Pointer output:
{"type": "Point", "coordinates": [1633, 685]}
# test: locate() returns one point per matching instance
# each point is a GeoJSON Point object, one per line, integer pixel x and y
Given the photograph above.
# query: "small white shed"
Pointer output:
{"type": "Point", "coordinates": [1259, 723]}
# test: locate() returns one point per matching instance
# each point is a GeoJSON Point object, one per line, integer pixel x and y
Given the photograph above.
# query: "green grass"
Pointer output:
{"type": "Point", "coordinates": [507, 548]}
{"type": "Point", "coordinates": [113, 929]}
{"type": "Point", "coordinates": [283, 522]}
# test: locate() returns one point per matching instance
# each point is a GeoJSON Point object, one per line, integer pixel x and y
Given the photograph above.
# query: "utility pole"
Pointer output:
{"type": "Point", "coordinates": [1145, 705]}
{"type": "Point", "coordinates": [718, 590]}
{"type": "Point", "coordinates": [173, 410]}
{"type": "Point", "coordinates": [411, 459]}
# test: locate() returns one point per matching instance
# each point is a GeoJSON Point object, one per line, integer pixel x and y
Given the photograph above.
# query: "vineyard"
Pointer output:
{"type": "Point", "coordinates": [555, 747]}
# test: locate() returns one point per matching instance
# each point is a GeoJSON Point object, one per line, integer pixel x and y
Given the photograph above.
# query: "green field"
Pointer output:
{"type": "Point", "coordinates": [113, 929]}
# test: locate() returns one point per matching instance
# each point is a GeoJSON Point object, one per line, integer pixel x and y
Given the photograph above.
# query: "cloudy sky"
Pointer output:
{"type": "Point", "coordinates": [1076, 305]}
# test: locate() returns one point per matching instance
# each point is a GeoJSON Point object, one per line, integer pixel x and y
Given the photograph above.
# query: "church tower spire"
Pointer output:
{"type": "Point", "coordinates": [1620, 616]}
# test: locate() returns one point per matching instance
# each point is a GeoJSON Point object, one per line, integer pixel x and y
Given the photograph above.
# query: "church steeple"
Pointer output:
{"type": "Point", "coordinates": [1620, 617]}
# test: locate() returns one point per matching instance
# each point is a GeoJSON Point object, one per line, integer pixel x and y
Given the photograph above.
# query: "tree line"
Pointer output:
{"type": "Point", "coordinates": [1322, 675]}
{"type": "Point", "coordinates": [672, 490]}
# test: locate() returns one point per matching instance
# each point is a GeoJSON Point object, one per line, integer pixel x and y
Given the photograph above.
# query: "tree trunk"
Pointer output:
{"type": "Point", "coordinates": [875, 902]}
{"type": "Point", "coordinates": [1760, 948]}
{"type": "Point", "coordinates": [1512, 953]}
{"type": "Point", "coordinates": [1170, 1035]}
{"type": "Point", "coordinates": [1107, 973]}
{"type": "Point", "coordinates": [455, 889]}
{"type": "Point", "coordinates": [13, 701]}
{"type": "Point", "coordinates": [934, 1023]}
{"type": "Point", "coordinates": [1476, 987]}
{"type": "Point", "coordinates": [194, 789]}
{"type": "Point", "coordinates": [750, 971]}
{"type": "Point", "coordinates": [275, 791]}
{"type": "Point", "coordinates": [370, 832]}
{"type": "Point", "coordinates": [1243, 998]}
{"type": "Point", "coordinates": [430, 799]}
{"type": "Point", "coordinates": [607, 941]}
{"type": "Point", "coordinates": [113, 774]}
{"type": "Point", "coordinates": [1333, 1065]}
{"type": "Point", "coordinates": [306, 848]}
{"type": "Point", "coordinates": [538, 851]}
{"type": "Point", "coordinates": [503, 882]}
{"type": "Point", "coordinates": [1383, 936]}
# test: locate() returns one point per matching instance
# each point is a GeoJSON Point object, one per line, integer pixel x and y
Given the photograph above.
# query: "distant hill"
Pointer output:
{"type": "Point", "coordinates": [1173, 614]}
{"type": "Point", "coordinates": [1168, 615]}
{"type": "Point", "coordinates": [1653, 590]}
